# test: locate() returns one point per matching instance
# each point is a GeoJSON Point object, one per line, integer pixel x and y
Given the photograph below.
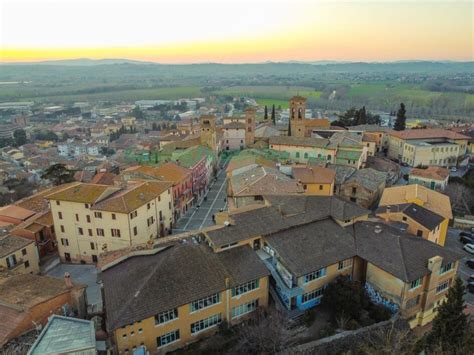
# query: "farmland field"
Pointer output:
{"type": "Point", "coordinates": [105, 94]}
{"type": "Point", "coordinates": [268, 95]}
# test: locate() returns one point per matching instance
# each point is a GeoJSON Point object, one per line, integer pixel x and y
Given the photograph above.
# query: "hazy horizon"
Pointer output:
{"type": "Point", "coordinates": [234, 32]}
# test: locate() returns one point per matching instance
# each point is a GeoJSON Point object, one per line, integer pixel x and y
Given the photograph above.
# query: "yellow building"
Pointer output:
{"type": "Point", "coordinates": [172, 296]}
{"type": "Point", "coordinates": [316, 181]}
{"type": "Point", "coordinates": [90, 219]}
{"type": "Point", "coordinates": [419, 221]}
{"type": "Point", "coordinates": [426, 147]}
{"type": "Point", "coordinates": [422, 196]}
{"type": "Point", "coordinates": [128, 122]}
{"type": "Point", "coordinates": [18, 255]}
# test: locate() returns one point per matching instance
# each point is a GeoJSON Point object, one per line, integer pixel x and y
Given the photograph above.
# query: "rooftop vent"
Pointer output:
{"type": "Point", "coordinates": [141, 196]}
{"type": "Point", "coordinates": [226, 223]}
{"type": "Point", "coordinates": [378, 229]}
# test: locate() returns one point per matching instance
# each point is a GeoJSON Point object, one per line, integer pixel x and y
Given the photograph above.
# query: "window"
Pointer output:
{"type": "Point", "coordinates": [133, 214]}
{"type": "Point", "coordinates": [11, 261]}
{"type": "Point", "coordinates": [135, 230]}
{"type": "Point", "coordinates": [92, 246]}
{"type": "Point", "coordinates": [354, 190]}
{"type": "Point", "coordinates": [419, 233]}
{"type": "Point", "coordinates": [98, 214]}
{"type": "Point", "coordinates": [297, 154]}
{"type": "Point", "coordinates": [244, 288]}
{"type": "Point", "coordinates": [306, 155]}
{"type": "Point", "coordinates": [320, 187]}
{"type": "Point", "coordinates": [205, 302]}
{"type": "Point", "coordinates": [90, 232]}
{"type": "Point", "coordinates": [80, 231]}
{"type": "Point", "coordinates": [404, 218]}
{"type": "Point", "coordinates": [314, 275]}
{"type": "Point", "coordinates": [344, 264]}
{"type": "Point", "coordinates": [150, 220]}
{"type": "Point", "coordinates": [27, 264]}
{"type": "Point", "coordinates": [86, 205]}
{"type": "Point", "coordinates": [306, 297]}
{"type": "Point", "coordinates": [446, 268]}
{"type": "Point", "coordinates": [77, 217]}
{"type": "Point", "coordinates": [113, 216]}
{"type": "Point", "coordinates": [412, 302]}
{"type": "Point", "coordinates": [58, 203]}
{"type": "Point", "coordinates": [205, 323]}
{"type": "Point", "coordinates": [115, 232]}
{"type": "Point", "coordinates": [88, 219]}
{"type": "Point", "coordinates": [23, 251]}
{"type": "Point", "coordinates": [148, 206]}
{"type": "Point", "coordinates": [244, 309]}
{"type": "Point", "coordinates": [169, 205]}
{"type": "Point", "coordinates": [64, 242]}
{"type": "Point", "coordinates": [415, 284]}
{"type": "Point", "coordinates": [60, 215]}
{"type": "Point", "coordinates": [166, 316]}
{"type": "Point", "coordinates": [100, 232]}
{"type": "Point", "coordinates": [442, 286]}
{"type": "Point", "coordinates": [168, 338]}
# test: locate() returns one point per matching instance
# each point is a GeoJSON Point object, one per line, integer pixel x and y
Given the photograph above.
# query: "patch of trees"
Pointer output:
{"type": "Point", "coordinates": [42, 135]}
{"type": "Point", "coordinates": [18, 189]}
{"type": "Point", "coordinates": [354, 117]}
{"type": "Point", "coordinates": [58, 174]}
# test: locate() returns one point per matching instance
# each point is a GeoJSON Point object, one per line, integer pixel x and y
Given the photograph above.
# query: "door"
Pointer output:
{"type": "Point", "coordinates": [433, 184]}
{"type": "Point", "coordinates": [67, 257]}
{"type": "Point", "coordinates": [94, 258]}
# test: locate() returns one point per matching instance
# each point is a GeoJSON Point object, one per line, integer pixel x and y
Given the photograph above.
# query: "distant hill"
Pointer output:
{"type": "Point", "coordinates": [83, 62]}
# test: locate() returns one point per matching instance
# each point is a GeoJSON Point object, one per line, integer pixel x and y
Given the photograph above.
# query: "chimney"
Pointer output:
{"type": "Point", "coordinates": [68, 280]}
{"type": "Point", "coordinates": [387, 214]}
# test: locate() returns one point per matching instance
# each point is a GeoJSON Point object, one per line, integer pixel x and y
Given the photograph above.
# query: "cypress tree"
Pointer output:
{"type": "Point", "coordinates": [273, 114]}
{"type": "Point", "coordinates": [265, 116]}
{"type": "Point", "coordinates": [400, 122]}
{"type": "Point", "coordinates": [450, 326]}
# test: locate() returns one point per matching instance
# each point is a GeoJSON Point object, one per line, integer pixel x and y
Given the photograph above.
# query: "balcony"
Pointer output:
{"type": "Point", "coordinates": [280, 283]}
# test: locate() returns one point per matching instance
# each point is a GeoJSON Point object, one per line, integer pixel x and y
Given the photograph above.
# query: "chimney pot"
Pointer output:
{"type": "Point", "coordinates": [68, 280]}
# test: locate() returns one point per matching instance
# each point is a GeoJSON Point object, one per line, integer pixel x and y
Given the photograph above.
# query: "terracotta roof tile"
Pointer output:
{"type": "Point", "coordinates": [428, 133]}
{"type": "Point", "coordinates": [432, 172]}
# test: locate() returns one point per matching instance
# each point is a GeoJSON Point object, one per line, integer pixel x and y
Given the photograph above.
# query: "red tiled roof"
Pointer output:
{"type": "Point", "coordinates": [432, 172]}
{"type": "Point", "coordinates": [427, 133]}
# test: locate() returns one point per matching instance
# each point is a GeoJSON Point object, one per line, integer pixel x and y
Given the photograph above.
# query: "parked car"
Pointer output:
{"type": "Point", "coordinates": [469, 248]}
{"type": "Point", "coordinates": [466, 234]}
{"type": "Point", "coordinates": [454, 169]}
{"type": "Point", "coordinates": [470, 263]}
{"type": "Point", "coordinates": [466, 240]}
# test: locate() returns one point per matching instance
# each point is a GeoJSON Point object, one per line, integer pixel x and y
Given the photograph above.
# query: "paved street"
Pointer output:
{"type": "Point", "coordinates": [85, 274]}
{"type": "Point", "coordinates": [199, 217]}
{"type": "Point", "coordinates": [464, 271]}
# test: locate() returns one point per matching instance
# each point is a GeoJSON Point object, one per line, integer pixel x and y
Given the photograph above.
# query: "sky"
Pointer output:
{"type": "Point", "coordinates": [230, 31]}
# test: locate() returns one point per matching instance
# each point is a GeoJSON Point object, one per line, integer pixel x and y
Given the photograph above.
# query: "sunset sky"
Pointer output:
{"type": "Point", "coordinates": [230, 31]}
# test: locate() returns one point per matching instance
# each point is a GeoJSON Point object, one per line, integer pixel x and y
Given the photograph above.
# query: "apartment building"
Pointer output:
{"type": "Point", "coordinates": [418, 220]}
{"type": "Point", "coordinates": [180, 177]}
{"type": "Point", "coordinates": [167, 297]}
{"type": "Point", "coordinates": [307, 241]}
{"type": "Point", "coordinates": [18, 255]}
{"type": "Point", "coordinates": [304, 149]}
{"type": "Point", "coordinates": [90, 219]}
{"type": "Point", "coordinates": [239, 132]}
{"type": "Point", "coordinates": [428, 147]}
{"type": "Point", "coordinates": [420, 195]}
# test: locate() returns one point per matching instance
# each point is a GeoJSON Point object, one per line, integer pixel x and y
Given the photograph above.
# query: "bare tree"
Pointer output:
{"type": "Point", "coordinates": [267, 333]}
{"type": "Point", "coordinates": [389, 341]}
{"type": "Point", "coordinates": [461, 196]}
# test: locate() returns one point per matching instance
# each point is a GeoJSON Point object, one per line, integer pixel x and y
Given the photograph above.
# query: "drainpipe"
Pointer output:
{"type": "Point", "coordinates": [228, 294]}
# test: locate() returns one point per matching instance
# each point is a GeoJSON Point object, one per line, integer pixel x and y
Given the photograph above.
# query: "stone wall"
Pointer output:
{"type": "Point", "coordinates": [345, 341]}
